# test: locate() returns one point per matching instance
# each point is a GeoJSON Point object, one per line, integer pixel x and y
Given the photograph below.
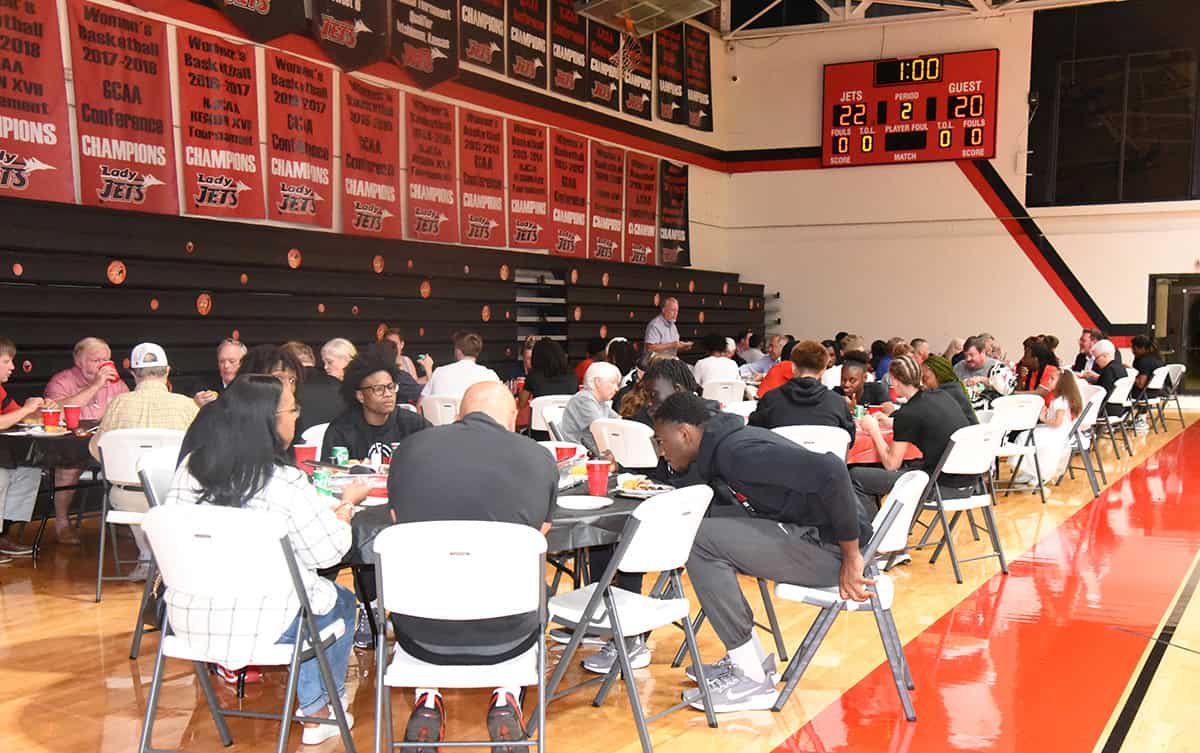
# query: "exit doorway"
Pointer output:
{"type": "Point", "coordinates": [1175, 322]}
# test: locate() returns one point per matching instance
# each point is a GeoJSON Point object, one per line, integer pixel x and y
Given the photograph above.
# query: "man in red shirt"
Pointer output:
{"type": "Point", "coordinates": [18, 486]}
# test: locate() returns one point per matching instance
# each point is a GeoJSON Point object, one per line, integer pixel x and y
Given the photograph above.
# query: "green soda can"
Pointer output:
{"type": "Point", "coordinates": [859, 411]}
{"type": "Point", "coordinates": [340, 455]}
{"type": "Point", "coordinates": [320, 480]}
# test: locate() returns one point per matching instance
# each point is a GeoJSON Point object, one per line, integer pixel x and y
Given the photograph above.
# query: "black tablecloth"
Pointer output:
{"type": "Point", "coordinates": [53, 451]}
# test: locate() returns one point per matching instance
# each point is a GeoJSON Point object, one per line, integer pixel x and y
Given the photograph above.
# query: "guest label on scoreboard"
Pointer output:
{"type": "Point", "coordinates": [926, 108]}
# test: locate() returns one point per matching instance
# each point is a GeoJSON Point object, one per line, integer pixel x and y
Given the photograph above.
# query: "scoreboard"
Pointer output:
{"type": "Point", "coordinates": [918, 109]}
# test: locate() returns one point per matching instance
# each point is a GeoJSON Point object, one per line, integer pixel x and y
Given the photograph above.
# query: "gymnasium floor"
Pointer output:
{"type": "Point", "coordinates": [1089, 644]}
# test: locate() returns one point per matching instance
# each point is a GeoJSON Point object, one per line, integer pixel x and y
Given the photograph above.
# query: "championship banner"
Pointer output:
{"type": "Point", "coordinates": [668, 76]}
{"type": "Point", "coordinates": [370, 159]}
{"type": "Point", "coordinates": [481, 186]}
{"type": "Point", "coordinates": [699, 79]}
{"type": "Point", "coordinates": [603, 86]}
{"type": "Point", "coordinates": [608, 201]}
{"type": "Point", "coordinates": [424, 35]}
{"type": "Point", "coordinates": [641, 208]}
{"type": "Point", "coordinates": [481, 33]}
{"type": "Point", "coordinates": [432, 207]}
{"type": "Point", "coordinates": [300, 140]}
{"type": "Point", "coordinates": [35, 147]}
{"type": "Point", "coordinates": [218, 119]}
{"type": "Point", "coordinates": [568, 50]}
{"type": "Point", "coordinates": [527, 180]}
{"type": "Point", "coordinates": [123, 106]}
{"type": "Point", "coordinates": [636, 87]}
{"type": "Point", "coordinates": [353, 33]}
{"type": "Point", "coordinates": [527, 41]}
{"type": "Point", "coordinates": [568, 194]}
{"type": "Point", "coordinates": [263, 20]}
{"type": "Point", "coordinates": [673, 242]}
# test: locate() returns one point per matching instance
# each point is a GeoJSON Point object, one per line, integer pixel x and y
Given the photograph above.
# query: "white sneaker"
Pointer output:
{"type": "Point", "coordinates": [734, 691]}
{"type": "Point", "coordinates": [322, 732]}
{"type": "Point", "coordinates": [603, 660]}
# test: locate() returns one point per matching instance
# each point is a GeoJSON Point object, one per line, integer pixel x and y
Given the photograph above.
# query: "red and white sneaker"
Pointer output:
{"type": "Point", "coordinates": [230, 676]}
{"type": "Point", "coordinates": [427, 724]}
{"type": "Point", "coordinates": [504, 721]}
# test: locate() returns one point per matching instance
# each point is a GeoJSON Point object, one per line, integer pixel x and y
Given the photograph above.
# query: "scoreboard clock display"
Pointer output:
{"type": "Point", "coordinates": [917, 109]}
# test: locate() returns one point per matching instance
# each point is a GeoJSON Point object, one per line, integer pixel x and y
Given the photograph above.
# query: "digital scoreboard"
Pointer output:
{"type": "Point", "coordinates": [918, 109]}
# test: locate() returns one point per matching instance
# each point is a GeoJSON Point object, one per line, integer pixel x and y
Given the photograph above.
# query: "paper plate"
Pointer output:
{"type": "Point", "coordinates": [583, 502]}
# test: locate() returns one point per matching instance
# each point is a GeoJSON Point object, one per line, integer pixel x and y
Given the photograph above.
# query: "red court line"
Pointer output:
{"type": "Point", "coordinates": [1037, 661]}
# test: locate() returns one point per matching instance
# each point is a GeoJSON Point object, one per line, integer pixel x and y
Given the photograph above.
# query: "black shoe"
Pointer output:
{"type": "Point", "coordinates": [504, 721]}
{"type": "Point", "coordinates": [427, 723]}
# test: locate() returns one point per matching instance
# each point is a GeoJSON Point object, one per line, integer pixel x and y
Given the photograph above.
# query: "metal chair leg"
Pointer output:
{"type": "Point", "coordinates": [796, 668]}
{"type": "Point", "coordinates": [289, 694]}
{"type": "Point", "coordinates": [148, 588]}
{"type": "Point", "coordinates": [214, 707]}
{"type": "Point", "coordinates": [635, 703]}
{"type": "Point", "coordinates": [894, 662]}
{"type": "Point", "coordinates": [995, 536]}
{"type": "Point", "coordinates": [772, 620]}
{"type": "Point", "coordinates": [696, 625]}
{"type": "Point", "coordinates": [100, 553]}
{"type": "Point", "coordinates": [152, 702]}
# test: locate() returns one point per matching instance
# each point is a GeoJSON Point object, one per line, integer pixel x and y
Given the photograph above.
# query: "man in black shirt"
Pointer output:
{"type": "Point", "coordinates": [373, 423]}
{"type": "Point", "coordinates": [1108, 371]}
{"type": "Point", "coordinates": [1146, 359]}
{"type": "Point", "coordinates": [319, 395]}
{"type": "Point", "coordinates": [803, 400]}
{"type": "Point", "coordinates": [782, 513]}
{"type": "Point", "coordinates": [474, 469]}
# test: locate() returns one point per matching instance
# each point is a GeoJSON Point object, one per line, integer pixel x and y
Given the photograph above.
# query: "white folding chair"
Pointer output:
{"type": "Point", "coordinates": [742, 408]}
{"type": "Point", "coordinates": [477, 570]}
{"type": "Point", "coordinates": [1130, 371]}
{"type": "Point", "coordinates": [891, 534]}
{"type": "Point", "coordinates": [440, 409]}
{"type": "Point", "coordinates": [1085, 439]}
{"type": "Point", "coordinates": [1019, 413]}
{"type": "Point", "coordinates": [1109, 422]}
{"type": "Point", "coordinates": [971, 452]}
{"type": "Point", "coordinates": [630, 442]}
{"type": "Point", "coordinates": [1146, 404]}
{"type": "Point", "coordinates": [408, 407]}
{"type": "Point", "coordinates": [223, 553]}
{"type": "Point", "coordinates": [119, 452]}
{"type": "Point", "coordinates": [315, 435]}
{"type": "Point", "coordinates": [1080, 444]}
{"type": "Point", "coordinates": [657, 537]}
{"type": "Point", "coordinates": [155, 470]}
{"type": "Point", "coordinates": [832, 439]}
{"type": "Point", "coordinates": [538, 406]}
{"type": "Point", "coordinates": [725, 392]}
{"type": "Point", "coordinates": [1171, 389]}
{"type": "Point", "coordinates": [832, 377]}
{"type": "Point", "coordinates": [553, 416]}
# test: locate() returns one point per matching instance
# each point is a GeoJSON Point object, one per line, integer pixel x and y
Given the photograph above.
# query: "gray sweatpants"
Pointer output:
{"type": "Point", "coordinates": [18, 492]}
{"type": "Point", "coordinates": [781, 552]}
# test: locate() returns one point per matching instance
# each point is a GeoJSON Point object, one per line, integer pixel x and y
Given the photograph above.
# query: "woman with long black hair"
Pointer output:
{"type": "Point", "coordinates": [237, 458]}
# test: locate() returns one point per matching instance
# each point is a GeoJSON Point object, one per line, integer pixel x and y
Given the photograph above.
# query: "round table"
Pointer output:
{"type": "Point", "coordinates": [863, 449]}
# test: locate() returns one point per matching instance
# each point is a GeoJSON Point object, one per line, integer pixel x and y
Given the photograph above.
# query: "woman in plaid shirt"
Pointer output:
{"type": "Point", "coordinates": [237, 460]}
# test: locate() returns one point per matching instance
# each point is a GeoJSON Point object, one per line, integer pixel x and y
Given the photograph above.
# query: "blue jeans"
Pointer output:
{"type": "Point", "coordinates": [310, 690]}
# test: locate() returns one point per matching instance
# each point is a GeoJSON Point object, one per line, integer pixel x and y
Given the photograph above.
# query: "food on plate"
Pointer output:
{"type": "Point", "coordinates": [55, 429]}
{"type": "Point", "coordinates": [578, 470]}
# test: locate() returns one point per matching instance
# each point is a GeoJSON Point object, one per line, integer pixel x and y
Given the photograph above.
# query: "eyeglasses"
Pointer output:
{"type": "Point", "coordinates": [381, 390]}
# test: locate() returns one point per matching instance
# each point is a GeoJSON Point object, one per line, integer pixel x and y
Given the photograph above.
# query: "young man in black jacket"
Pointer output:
{"type": "Point", "coordinates": [803, 400]}
{"type": "Point", "coordinates": [781, 512]}
{"type": "Point", "coordinates": [372, 423]}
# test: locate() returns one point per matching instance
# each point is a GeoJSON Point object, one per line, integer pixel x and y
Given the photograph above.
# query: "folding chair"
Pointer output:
{"type": "Point", "coordinates": [315, 435]}
{"type": "Point", "coordinates": [831, 439]}
{"type": "Point", "coordinates": [725, 392]}
{"type": "Point", "coordinates": [155, 470]}
{"type": "Point", "coordinates": [630, 442]}
{"type": "Point", "coordinates": [1118, 398]}
{"type": "Point", "coordinates": [891, 534]}
{"type": "Point", "coordinates": [224, 553]}
{"type": "Point", "coordinates": [1081, 445]}
{"type": "Point", "coordinates": [1151, 405]}
{"type": "Point", "coordinates": [657, 537]}
{"type": "Point", "coordinates": [538, 406]}
{"type": "Point", "coordinates": [1019, 413]}
{"type": "Point", "coordinates": [1171, 389]}
{"type": "Point", "coordinates": [440, 409]}
{"type": "Point", "coordinates": [971, 452]}
{"type": "Point", "coordinates": [553, 416]}
{"type": "Point", "coordinates": [477, 570]}
{"type": "Point", "coordinates": [743, 408]}
{"type": "Point", "coordinates": [119, 453]}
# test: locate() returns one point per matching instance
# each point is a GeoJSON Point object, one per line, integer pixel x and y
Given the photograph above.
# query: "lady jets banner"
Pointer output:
{"type": "Point", "coordinates": [299, 141]}
{"type": "Point", "coordinates": [432, 171]}
{"type": "Point", "coordinates": [370, 159]}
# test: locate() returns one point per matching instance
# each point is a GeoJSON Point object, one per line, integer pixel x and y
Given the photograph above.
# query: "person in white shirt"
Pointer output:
{"type": "Point", "coordinates": [747, 347]}
{"type": "Point", "coordinates": [452, 380]}
{"type": "Point", "coordinates": [717, 366]}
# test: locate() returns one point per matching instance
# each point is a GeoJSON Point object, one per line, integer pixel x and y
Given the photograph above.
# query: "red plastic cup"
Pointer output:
{"type": "Point", "coordinates": [305, 452]}
{"type": "Point", "coordinates": [51, 417]}
{"type": "Point", "coordinates": [116, 377]}
{"type": "Point", "coordinates": [564, 452]}
{"type": "Point", "coordinates": [873, 409]}
{"type": "Point", "coordinates": [71, 416]}
{"type": "Point", "coordinates": [597, 471]}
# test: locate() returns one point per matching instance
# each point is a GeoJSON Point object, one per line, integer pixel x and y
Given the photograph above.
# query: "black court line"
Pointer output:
{"type": "Point", "coordinates": [1133, 703]}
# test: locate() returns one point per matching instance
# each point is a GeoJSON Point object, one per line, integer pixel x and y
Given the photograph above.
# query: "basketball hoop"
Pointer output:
{"type": "Point", "coordinates": [629, 53]}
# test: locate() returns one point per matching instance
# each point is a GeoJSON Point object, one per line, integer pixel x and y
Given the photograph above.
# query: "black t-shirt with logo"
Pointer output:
{"type": "Point", "coordinates": [927, 420]}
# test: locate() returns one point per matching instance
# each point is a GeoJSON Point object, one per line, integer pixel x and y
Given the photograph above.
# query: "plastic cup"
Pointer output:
{"type": "Point", "coordinates": [116, 377]}
{"type": "Point", "coordinates": [305, 452]}
{"type": "Point", "coordinates": [71, 416]}
{"type": "Point", "coordinates": [597, 476]}
{"type": "Point", "coordinates": [564, 452]}
{"type": "Point", "coordinates": [873, 409]}
{"type": "Point", "coordinates": [51, 417]}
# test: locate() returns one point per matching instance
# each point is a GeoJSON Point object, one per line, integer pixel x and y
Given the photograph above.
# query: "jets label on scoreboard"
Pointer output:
{"type": "Point", "coordinates": [918, 109]}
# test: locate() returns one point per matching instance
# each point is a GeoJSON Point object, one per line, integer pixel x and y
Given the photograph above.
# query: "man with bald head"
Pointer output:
{"type": "Point", "coordinates": [476, 468]}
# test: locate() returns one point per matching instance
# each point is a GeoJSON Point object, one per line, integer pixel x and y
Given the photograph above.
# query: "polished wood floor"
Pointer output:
{"type": "Point", "coordinates": [68, 686]}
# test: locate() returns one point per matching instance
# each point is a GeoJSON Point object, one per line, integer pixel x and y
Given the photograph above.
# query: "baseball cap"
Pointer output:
{"type": "Point", "coordinates": [147, 355]}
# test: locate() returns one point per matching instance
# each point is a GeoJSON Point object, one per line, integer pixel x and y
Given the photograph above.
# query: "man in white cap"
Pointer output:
{"type": "Point", "coordinates": [151, 405]}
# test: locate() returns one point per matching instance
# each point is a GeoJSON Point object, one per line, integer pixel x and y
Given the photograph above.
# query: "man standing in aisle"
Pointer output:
{"type": "Point", "coordinates": [662, 336]}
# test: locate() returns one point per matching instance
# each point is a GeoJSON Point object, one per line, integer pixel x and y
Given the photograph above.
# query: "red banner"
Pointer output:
{"type": "Point", "coordinates": [370, 159]}
{"type": "Point", "coordinates": [568, 193]}
{"type": "Point", "coordinates": [218, 115]}
{"type": "Point", "coordinates": [432, 200]}
{"type": "Point", "coordinates": [641, 208]}
{"type": "Point", "coordinates": [608, 198]}
{"type": "Point", "coordinates": [35, 148]}
{"type": "Point", "coordinates": [527, 206]}
{"type": "Point", "coordinates": [300, 140]}
{"type": "Point", "coordinates": [123, 106]}
{"type": "Point", "coordinates": [481, 165]}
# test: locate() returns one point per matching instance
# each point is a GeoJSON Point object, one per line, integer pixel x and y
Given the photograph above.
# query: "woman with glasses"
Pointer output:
{"type": "Point", "coordinates": [238, 460]}
{"type": "Point", "coordinates": [372, 423]}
